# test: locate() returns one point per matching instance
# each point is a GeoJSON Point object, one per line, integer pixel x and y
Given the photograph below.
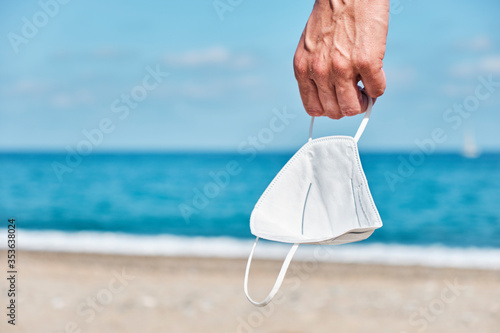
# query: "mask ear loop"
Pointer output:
{"type": "Point", "coordinates": [363, 124]}
{"type": "Point", "coordinates": [311, 129]}
{"type": "Point", "coordinates": [279, 279]}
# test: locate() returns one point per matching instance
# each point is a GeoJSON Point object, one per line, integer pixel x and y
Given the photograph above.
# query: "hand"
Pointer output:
{"type": "Point", "coordinates": [343, 42]}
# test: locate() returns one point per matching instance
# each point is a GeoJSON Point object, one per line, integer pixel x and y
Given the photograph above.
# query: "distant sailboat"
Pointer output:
{"type": "Point", "coordinates": [470, 149]}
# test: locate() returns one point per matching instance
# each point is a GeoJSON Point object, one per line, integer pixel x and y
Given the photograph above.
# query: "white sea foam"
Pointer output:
{"type": "Point", "coordinates": [226, 247]}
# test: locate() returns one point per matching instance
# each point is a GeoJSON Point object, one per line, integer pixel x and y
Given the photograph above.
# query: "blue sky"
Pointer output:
{"type": "Point", "coordinates": [226, 76]}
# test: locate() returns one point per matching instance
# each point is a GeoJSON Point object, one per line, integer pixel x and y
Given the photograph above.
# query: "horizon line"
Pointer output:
{"type": "Point", "coordinates": [227, 151]}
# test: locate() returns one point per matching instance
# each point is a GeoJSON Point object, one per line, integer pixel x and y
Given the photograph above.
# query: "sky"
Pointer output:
{"type": "Point", "coordinates": [193, 76]}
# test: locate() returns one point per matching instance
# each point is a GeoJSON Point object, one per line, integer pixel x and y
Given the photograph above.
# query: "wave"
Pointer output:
{"type": "Point", "coordinates": [226, 247]}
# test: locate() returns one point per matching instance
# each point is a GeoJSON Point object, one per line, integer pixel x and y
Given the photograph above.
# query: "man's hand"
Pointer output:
{"type": "Point", "coordinates": [342, 43]}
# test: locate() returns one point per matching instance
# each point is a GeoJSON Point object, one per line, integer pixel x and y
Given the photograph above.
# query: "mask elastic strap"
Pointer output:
{"type": "Point", "coordinates": [279, 280]}
{"type": "Point", "coordinates": [311, 128]}
{"type": "Point", "coordinates": [362, 126]}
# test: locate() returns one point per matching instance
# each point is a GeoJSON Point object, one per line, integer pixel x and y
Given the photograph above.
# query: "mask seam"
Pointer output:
{"type": "Point", "coordinates": [355, 205]}
{"type": "Point", "coordinates": [304, 209]}
{"type": "Point", "coordinates": [366, 182]}
{"type": "Point", "coordinates": [360, 188]}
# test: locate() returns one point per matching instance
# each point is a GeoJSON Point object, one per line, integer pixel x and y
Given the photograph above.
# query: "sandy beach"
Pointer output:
{"type": "Point", "coordinates": [64, 292]}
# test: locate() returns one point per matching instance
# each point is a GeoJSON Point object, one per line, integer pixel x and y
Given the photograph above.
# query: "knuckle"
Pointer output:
{"type": "Point", "coordinates": [335, 115]}
{"type": "Point", "coordinates": [367, 63]}
{"type": "Point", "coordinates": [331, 109]}
{"type": "Point", "coordinates": [299, 66]}
{"type": "Point", "coordinates": [377, 91]}
{"type": "Point", "coordinates": [341, 70]}
{"type": "Point", "coordinates": [314, 112]}
{"type": "Point", "coordinates": [364, 63]}
{"type": "Point", "coordinates": [320, 69]}
{"type": "Point", "coordinates": [349, 110]}
{"type": "Point", "coordinates": [341, 67]}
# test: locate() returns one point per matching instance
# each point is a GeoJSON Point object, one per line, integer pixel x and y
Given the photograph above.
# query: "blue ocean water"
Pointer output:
{"type": "Point", "coordinates": [447, 199]}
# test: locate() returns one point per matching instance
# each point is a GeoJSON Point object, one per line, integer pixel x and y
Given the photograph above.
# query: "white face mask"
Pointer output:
{"type": "Point", "coordinates": [321, 196]}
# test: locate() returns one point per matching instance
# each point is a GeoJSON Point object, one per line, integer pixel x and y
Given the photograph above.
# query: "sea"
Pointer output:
{"type": "Point", "coordinates": [437, 209]}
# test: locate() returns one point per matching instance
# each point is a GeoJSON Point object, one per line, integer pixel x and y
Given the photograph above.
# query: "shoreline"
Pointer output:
{"type": "Point", "coordinates": [227, 247]}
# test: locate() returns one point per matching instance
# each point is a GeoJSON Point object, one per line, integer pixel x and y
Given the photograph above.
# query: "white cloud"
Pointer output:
{"type": "Point", "coordinates": [482, 66]}
{"type": "Point", "coordinates": [65, 100]}
{"type": "Point", "coordinates": [211, 89]}
{"type": "Point", "coordinates": [26, 87]}
{"type": "Point", "coordinates": [456, 90]}
{"type": "Point", "coordinates": [478, 43]}
{"type": "Point", "coordinates": [215, 55]}
{"type": "Point", "coordinates": [107, 53]}
{"type": "Point", "coordinates": [463, 69]}
{"type": "Point", "coordinates": [490, 64]}
{"type": "Point", "coordinates": [401, 76]}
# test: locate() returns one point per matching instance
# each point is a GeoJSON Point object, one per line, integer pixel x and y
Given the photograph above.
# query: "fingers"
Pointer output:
{"type": "Point", "coordinates": [328, 99]}
{"type": "Point", "coordinates": [350, 99]}
{"type": "Point", "coordinates": [373, 79]}
{"type": "Point", "coordinates": [307, 87]}
{"type": "Point", "coordinates": [335, 96]}
{"type": "Point", "coordinates": [310, 98]}
{"type": "Point", "coordinates": [323, 98]}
